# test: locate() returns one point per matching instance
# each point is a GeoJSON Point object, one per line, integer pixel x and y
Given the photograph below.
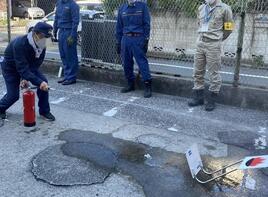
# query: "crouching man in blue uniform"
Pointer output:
{"type": "Point", "coordinates": [22, 59]}
{"type": "Point", "coordinates": [65, 29]}
{"type": "Point", "coordinates": [132, 34]}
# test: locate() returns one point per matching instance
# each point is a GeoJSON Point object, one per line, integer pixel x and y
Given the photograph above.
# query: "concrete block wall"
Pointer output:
{"type": "Point", "coordinates": [171, 31]}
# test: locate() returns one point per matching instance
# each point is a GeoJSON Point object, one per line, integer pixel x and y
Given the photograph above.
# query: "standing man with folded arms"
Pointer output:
{"type": "Point", "coordinates": [132, 34]}
{"type": "Point", "coordinates": [215, 21]}
{"type": "Point", "coordinates": [65, 29]}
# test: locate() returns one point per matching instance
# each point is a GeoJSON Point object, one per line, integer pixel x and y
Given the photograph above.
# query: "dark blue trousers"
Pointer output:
{"type": "Point", "coordinates": [12, 80]}
{"type": "Point", "coordinates": [68, 55]}
{"type": "Point", "coordinates": [133, 47]}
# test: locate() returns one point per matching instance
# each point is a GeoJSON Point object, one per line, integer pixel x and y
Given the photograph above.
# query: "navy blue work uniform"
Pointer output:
{"type": "Point", "coordinates": [67, 21]}
{"type": "Point", "coordinates": [19, 63]}
{"type": "Point", "coordinates": [133, 32]}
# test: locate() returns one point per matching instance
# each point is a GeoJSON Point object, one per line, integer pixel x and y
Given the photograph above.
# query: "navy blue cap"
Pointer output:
{"type": "Point", "coordinates": [44, 28]}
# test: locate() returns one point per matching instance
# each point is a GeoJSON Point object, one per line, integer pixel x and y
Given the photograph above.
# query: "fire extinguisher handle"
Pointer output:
{"type": "Point", "coordinates": [34, 88]}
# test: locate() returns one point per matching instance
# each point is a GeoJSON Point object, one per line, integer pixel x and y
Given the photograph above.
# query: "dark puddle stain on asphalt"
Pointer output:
{"type": "Point", "coordinates": [159, 172]}
{"type": "Point", "coordinates": [163, 177]}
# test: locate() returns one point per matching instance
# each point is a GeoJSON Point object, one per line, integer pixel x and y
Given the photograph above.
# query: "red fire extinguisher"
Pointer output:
{"type": "Point", "coordinates": [29, 108]}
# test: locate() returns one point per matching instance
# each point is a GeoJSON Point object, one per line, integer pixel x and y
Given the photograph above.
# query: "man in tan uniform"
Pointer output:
{"type": "Point", "coordinates": [215, 21]}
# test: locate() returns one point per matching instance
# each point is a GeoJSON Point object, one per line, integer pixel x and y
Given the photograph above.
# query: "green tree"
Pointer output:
{"type": "Point", "coordinates": [188, 7]}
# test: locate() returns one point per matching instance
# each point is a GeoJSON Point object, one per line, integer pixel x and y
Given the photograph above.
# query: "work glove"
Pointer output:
{"type": "Point", "coordinates": [70, 41]}
{"type": "Point", "coordinates": [145, 46]}
{"type": "Point", "coordinates": [118, 48]}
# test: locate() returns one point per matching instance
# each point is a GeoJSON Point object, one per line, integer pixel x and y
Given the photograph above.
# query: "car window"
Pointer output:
{"type": "Point", "coordinates": [96, 7]}
{"type": "Point", "coordinates": [51, 17]}
{"type": "Point", "coordinates": [25, 4]}
{"type": "Point", "coordinates": [83, 7]}
{"type": "Point", "coordinates": [99, 8]}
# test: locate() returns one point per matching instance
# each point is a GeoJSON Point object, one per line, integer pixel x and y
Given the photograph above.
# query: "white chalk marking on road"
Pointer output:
{"type": "Point", "coordinates": [223, 72]}
{"type": "Point", "coordinates": [59, 100]}
{"type": "Point", "coordinates": [190, 110]}
{"type": "Point", "coordinates": [173, 129]}
{"type": "Point", "coordinates": [111, 112]}
{"type": "Point", "coordinates": [133, 98]}
{"type": "Point", "coordinates": [260, 143]}
{"type": "Point", "coordinates": [250, 183]}
{"type": "Point", "coordinates": [79, 92]}
{"type": "Point", "coordinates": [262, 130]}
{"type": "Point", "coordinates": [114, 110]}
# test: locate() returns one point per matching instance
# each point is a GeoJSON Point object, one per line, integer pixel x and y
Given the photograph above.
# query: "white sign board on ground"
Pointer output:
{"type": "Point", "coordinates": [254, 162]}
{"type": "Point", "coordinates": [194, 160]}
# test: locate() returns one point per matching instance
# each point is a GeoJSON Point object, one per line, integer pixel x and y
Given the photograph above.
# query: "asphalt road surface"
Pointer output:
{"type": "Point", "coordinates": [105, 143]}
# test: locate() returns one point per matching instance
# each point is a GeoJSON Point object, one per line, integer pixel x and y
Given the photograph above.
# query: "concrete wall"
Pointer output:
{"type": "Point", "coordinates": [171, 31]}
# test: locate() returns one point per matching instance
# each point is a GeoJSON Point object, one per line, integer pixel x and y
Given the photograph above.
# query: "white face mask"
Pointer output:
{"type": "Point", "coordinates": [131, 1]}
{"type": "Point", "coordinates": [32, 41]}
{"type": "Point", "coordinates": [209, 2]}
{"type": "Point", "coordinates": [42, 43]}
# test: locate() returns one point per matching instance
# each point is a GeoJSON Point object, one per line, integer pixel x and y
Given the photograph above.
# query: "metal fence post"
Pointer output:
{"type": "Point", "coordinates": [239, 49]}
{"type": "Point", "coordinates": [8, 20]}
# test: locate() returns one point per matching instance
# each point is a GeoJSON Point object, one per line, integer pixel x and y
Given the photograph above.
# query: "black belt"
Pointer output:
{"type": "Point", "coordinates": [133, 34]}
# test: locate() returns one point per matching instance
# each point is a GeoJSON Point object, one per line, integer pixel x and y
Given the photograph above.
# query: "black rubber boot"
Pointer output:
{"type": "Point", "coordinates": [3, 115]}
{"type": "Point", "coordinates": [197, 99]}
{"type": "Point", "coordinates": [48, 116]}
{"type": "Point", "coordinates": [147, 89]}
{"type": "Point", "coordinates": [130, 87]}
{"type": "Point", "coordinates": [211, 101]}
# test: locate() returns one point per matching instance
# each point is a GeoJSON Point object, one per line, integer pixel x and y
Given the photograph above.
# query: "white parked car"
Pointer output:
{"type": "Point", "coordinates": [50, 20]}
{"type": "Point", "coordinates": [92, 11]}
{"type": "Point", "coordinates": [25, 10]}
{"type": "Point", "coordinates": [85, 14]}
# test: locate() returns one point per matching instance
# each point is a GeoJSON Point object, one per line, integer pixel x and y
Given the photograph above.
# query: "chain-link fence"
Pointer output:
{"type": "Point", "coordinates": [173, 36]}
{"type": "Point", "coordinates": [3, 24]}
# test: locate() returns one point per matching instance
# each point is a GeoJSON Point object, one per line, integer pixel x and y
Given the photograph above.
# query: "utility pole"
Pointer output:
{"type": "Point", "coordinates": [8, 20]}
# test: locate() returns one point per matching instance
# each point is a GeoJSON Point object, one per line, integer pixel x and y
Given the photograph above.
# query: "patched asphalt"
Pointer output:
{"type": "Point", "coordinates": [109, 144]}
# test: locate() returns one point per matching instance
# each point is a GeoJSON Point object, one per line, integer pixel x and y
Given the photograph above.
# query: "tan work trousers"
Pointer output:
{"type": "Point", "coordinates": [208, 54]}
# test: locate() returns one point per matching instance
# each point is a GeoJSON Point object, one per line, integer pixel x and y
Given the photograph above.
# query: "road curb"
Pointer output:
{"type": "Point", "coordinates": [244, 97]}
